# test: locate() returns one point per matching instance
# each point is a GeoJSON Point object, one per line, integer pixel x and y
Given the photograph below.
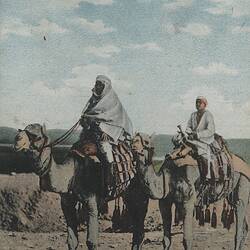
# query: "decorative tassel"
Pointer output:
{"type": "Point", "coordinates": [125, 219]}
{"type": "Point", "coordinates": [225, 222]}
{"type": "Point", "coordinates": [223, 213]}
{"type": "Point", "coordinates": [214, 218]}
{"type": "Point", "coordinates": [207, 215]}
{"type": "Point", "coordinates": [231, 215]}
{"type": "Point", "coordinates": [116, 217]}
{"type": "Point", "coordinates": [230, 218]}
{"type": "Point", "coordinates": [197, 212]}
{"type": "Point", "coordinates": [176, 216]}
{"type": "Point", "coordinates": [202, 219]}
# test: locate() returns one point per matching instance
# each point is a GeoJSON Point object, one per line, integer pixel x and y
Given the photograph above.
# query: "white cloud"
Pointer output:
{"type": "Point", "coordinates": [99, 2]}
{"type": "Point", "coordinates": [215, 68]}
{"type": "Point", "coordinates": [85, 75]}
{"type": "Point", "coordinates": [105, 51]}
{"type": "Point", "coordinates": [147, 46]}
{"type": "Point", "coordinates": [240, 29]}
{"type": "Point", "coordinates": [46, 26]}
{"type": "Point", "coordinates": [196, 29]}
{"type": "Point", "coordinates": [18, 27]}
{"type": "Point", "coordinates": [230, 7]}
{"type": "Point", "coordinates": [96, 26]}
{"type": "Point", "coordinates": [171, 28]}
{"type": "Point", "coordinates": [144, 1]}
{"type": "Point", "coordinates": [64, 4]}
{"type": "Point", "coordinates": [40, 103]}
{"type": "Point", "coordinates": [177, 4]}
{"type": "Point", "coordinates": [71, 4]}
{"type": "Point", "coordinates": [84, 78]}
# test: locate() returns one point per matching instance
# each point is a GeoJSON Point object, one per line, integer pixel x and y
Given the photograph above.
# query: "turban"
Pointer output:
{"type": "Point", "coordinates": [202, 99]}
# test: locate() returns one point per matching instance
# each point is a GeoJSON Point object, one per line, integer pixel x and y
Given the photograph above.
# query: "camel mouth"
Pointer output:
{"type": "Point", "coordinates": [18, 148]}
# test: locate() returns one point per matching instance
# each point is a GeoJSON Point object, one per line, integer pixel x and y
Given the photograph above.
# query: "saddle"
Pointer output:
{"type": "Point", "coordinates": [116, 176]}
{"type": "Point", "coordinates": [121, 171]}
{"type": "Point", "coordinates": [220, 167]}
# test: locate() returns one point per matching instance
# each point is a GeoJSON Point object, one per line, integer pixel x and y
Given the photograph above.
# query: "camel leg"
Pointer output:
{"type": "Point", "coordinates": [165, 206]}
{"type": "Point", "coordinates": [241, 208]}
{"type": "Point", "coordinates": [137, 203]}
{"type": "Point", "coordinates": [188, 224]}
{"type": "Point", "coordinates": [68, 203]}
{"type": "Point", "coordinates": [92, 225]}
{"type": "Point", "coordinates": [244, 236]}
{"type": "Point", "coordinates": [188, 206]}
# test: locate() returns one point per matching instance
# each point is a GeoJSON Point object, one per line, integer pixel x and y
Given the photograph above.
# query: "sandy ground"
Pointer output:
{"type": "Point", "coordinates": [203, 239]}
{"type": "Point", "coordinates": [40, 225]}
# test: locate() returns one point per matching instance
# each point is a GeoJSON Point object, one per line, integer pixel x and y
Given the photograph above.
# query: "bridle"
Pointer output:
{"type": "Point", "coordinates": [33, 138]}
{"type": "Point", "coordinates": [150, 150]}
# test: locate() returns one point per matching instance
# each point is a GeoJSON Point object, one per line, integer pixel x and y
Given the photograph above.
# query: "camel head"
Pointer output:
{"type": "Point", "coordinates": [142, 145]}
{"type": "Point", "coordinates": [31, 138]}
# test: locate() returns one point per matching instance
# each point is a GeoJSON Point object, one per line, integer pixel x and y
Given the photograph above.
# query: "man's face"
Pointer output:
{"type": "Point", "coordinates": [200, 105]}
{"type": "Point", "coordinates": [99, 87]}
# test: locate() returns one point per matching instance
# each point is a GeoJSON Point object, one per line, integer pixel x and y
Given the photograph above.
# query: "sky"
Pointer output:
{"type": "Point", "coordinates": [159, 54]}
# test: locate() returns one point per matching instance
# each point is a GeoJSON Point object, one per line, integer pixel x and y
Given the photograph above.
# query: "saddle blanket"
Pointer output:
{"type": "Point", "coordinates": [220, 165]}
{"type": "Point", "coordinates": [117, 174]}
{"type": "Point", "coordinates": [121, 171]}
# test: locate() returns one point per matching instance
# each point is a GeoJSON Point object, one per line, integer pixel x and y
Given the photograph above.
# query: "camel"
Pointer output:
{"type": "Point", "coordinates": [165, 186]}
{"type": "Point", "coordinates": [63, 179]}
{"type": "Point", "coordinates": [77, 181]}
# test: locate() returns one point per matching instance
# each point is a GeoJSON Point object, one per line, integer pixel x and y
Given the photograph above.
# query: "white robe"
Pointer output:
{"type": "Point", "coordinates": [109, 112]}
{"type": "Point", "coordinates": [205, 132]}
{"type": "Point", "coordinates": [205, 129]}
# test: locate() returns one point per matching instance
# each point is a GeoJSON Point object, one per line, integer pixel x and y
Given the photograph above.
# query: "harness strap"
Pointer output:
{"type": "Point", "coordinates": [164, 184]}
{"type": "Point", "coordinates": [64, 136]}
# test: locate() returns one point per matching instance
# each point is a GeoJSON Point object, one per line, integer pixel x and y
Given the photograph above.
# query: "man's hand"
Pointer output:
{"type": "Point", "coordinates": [83, 121]}
{"type": "Point", "coordinates": [192, 136]}
{"type": "Point", "coordinates": [104, 137]}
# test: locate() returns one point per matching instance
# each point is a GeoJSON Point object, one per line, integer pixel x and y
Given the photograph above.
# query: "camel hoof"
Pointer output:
{"type": "Point", "coordinates": [91, 246]}
{"type": "Point", "coordinates": [72, 240]}
{"type": "Point", "coordinates": [136, 247]}
{"type": "Point", "coordinates": [187, 244]}
{"type": "Point", "coordinates": [166, 243]}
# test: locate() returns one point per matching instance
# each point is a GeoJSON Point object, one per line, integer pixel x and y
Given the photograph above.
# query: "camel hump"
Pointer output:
{"type": "Point", "coordinates": [240, 166]}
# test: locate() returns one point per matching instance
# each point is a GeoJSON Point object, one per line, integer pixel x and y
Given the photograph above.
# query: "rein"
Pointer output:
{"type": "Point", "coordinates": [44, 170]}
{"type": "Point", "coordinates": [149, 149]}
{"type": "Point", "coordinates": [64, 136]}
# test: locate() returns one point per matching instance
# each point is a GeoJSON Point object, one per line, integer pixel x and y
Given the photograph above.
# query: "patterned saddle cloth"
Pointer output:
{"type": "Point", "coordinates": [121, 170]}
{"type": "Point", "coordinates": [219, 168]}
{"type": "Point", "coordinates": [117, 175]}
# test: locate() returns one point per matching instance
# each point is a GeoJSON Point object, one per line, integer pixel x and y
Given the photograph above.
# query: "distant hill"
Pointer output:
{"type": "Point", "coordinates": [162, 142]}
{"type": "Point", "coordinates": [7, 135]}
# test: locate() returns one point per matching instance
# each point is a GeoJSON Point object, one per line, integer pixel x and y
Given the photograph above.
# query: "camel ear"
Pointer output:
{"type": "Point", "coordinates": [135, 133]}
{"type": "Point", "coordinates": [152, 136]}
{"type": "Point", "coordinates": [44, 129]}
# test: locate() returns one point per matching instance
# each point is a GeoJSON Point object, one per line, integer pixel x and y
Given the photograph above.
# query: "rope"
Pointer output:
{"type": "Point", "coordinates": [64, 136]}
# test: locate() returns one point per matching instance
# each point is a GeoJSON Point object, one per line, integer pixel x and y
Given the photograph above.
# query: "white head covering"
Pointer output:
{"type": "Point", "coordinates": [203, 99]}
{"type": "Point", "coordinates": [109, 112]}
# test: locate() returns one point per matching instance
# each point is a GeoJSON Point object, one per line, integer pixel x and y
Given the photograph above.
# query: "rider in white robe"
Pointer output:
{"type": "Point", "coordinates": [201, 130]}
{"type": "Point", "coordinates": [106, 113]}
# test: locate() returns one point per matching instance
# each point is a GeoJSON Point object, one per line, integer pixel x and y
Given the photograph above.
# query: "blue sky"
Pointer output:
{"type": "Point", "coordinates": [159, 55]}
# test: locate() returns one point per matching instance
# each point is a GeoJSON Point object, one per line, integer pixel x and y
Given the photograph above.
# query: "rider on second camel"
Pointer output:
{"type": "Point", "coordinates": [201, 131]}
